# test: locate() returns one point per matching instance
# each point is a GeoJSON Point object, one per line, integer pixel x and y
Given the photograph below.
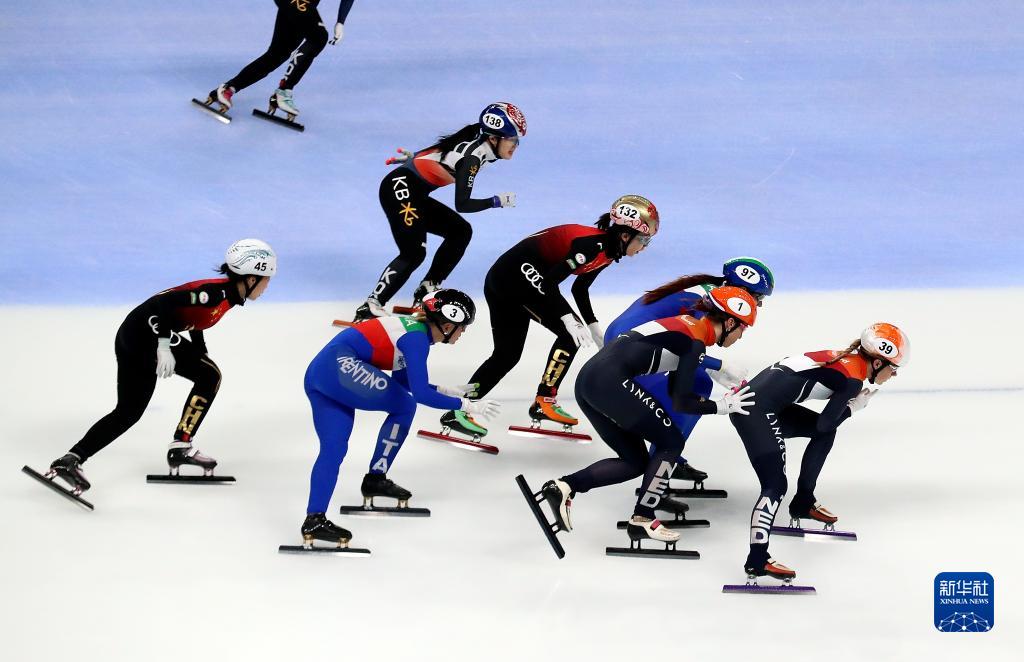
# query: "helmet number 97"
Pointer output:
{"type": "Point", "coordinates": [747, 274]}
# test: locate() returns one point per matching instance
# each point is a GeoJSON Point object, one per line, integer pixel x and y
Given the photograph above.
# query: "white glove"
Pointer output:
{"type": "Point", "coordinates": [482, 408]}
{"type": "Point", "coordinates": [505, 200]}
{"type": "Point", "coordinates": [728, 377]}
{"type": "Point", "coordinates": [459, 390]}
{"type": "Point", "coordinates": [736, 401]}
{"type": "Point", "coordinates": [861, 400]}
{"type": "Point", "coordinates": [576, 330]}
{"type": "Point", "coordinates": [597, 333]}
{"type": "Point", "coordinates": [339, 33]}
{"type": "Point", "coordinates": [164, 358]}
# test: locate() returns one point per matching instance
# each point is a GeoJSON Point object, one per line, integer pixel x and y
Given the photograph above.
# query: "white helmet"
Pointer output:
{"type": "Point", "coordinates": [251, 257]}
{"type": "Point", "coordinates": [887, 342]}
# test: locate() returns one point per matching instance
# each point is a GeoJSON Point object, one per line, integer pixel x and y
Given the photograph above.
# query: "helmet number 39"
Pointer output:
{"type": "Point", "coordinates": [886, 348]}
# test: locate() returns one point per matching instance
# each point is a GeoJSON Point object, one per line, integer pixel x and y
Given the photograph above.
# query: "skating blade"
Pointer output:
{"type": "Point", "coordinates": [814, 534]}
{"type": "Point", "coordinates": [547, 527]}
{"type": "Point", "coordinates": [675, 524]}
{"type": "Point", "coordinates": [355, 552]}
{"type": "Point", "coordinates": [541, 433]}
{"type": "Point", "coordinates": [215, 114]}
{"type": "Point", "coordinates": [381, 511]}
{"type": "Point", "coordinates": [194, 480]}
{"type": "Point", "coordinates": [652, 553]}
{"type": "Point", "coordinates": [294, 126]}
{"type": "Point", "coordinates": [56, 488]}
{"type": "Point", "coordinates": [464, 444]}
{"type": "Point", "coordinates": [776, 589]}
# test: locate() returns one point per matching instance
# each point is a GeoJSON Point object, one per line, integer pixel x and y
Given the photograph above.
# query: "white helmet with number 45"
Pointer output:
{"type": "Point", "coordinates": [251, 257]}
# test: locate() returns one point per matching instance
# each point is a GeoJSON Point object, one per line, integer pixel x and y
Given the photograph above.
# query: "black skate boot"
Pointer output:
{"type": "Point", "coordinates": [69, 469]}
{"type": "Point", "coordinates": [685, 471]}
{"type": "Point", "coordinates": [559, 497]}
{"type": "Point", "coordinates": [678, 509]}
{"type": "Point", "coordinates": [318, 527]}
{"type": "Point", "coordinates": [379, 485]}
{"type": "Point", "coordinates": [371, 309]}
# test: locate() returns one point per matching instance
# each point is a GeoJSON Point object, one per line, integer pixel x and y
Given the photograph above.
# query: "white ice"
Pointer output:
{"type": "Point", "coordinates": [927, 475]}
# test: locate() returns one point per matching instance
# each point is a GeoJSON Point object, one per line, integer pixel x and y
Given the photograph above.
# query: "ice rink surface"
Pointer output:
{"type": "Point", "coordinates": [870, 152]}
{"type": "Point", "coordinates": [927, 475]}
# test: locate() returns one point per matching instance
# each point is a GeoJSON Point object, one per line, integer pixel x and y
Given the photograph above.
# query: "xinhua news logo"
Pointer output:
{"type": "Point", "coordinates": [964, 602]}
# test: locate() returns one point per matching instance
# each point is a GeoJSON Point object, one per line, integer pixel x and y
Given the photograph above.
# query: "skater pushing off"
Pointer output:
{"type": "Point", "coordinates": [348, 374]}
{"type": "Point", "coordinates": [522, 286]}
{"type": "Point", "coordinates": [626, 416]}
{"type": "Point", "coordinates": [835, 376]}
{"type": "Point", "coordinates": [412, 213]}
{"type": "Point", "coordinates": [149, 345]}
{"type": "Point", "coordinates": [299, 36]}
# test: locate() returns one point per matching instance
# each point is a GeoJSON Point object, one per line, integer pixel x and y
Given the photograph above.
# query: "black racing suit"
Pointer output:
{"type": "Point", "coordinates": [190, 307]}
{"type": "Point", "coordinates": [522, 285]}
{"type": "Point", "coordinates": [299, 36]}
{"type": "Point", "coordinates": [625, 415]}
{"type": "Point", "coordinates": [776, 416]}
{"type": "Point", "coordinates": [412, 213]}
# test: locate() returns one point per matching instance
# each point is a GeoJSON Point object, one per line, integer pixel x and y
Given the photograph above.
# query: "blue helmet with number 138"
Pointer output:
{"type": "Point", "coordinates": [504, 120]}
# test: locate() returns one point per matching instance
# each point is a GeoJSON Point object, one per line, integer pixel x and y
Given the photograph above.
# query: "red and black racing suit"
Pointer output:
{"type": "Point", "coordinates": [191, 307]}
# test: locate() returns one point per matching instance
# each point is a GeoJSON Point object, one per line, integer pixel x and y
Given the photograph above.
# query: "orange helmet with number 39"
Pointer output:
{"type": "Point", "coordinates": [887, 342]}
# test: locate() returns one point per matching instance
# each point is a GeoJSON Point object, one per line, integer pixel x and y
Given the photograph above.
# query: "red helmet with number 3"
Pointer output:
{"type": "Point", "coordinates": [887, 342]}
{"type": "Point", "coordinates": [735, 302]}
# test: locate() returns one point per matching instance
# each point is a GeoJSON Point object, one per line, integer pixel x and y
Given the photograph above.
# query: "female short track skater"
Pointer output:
{"type": "Point", "coordinates": [835, 376]}
{"type": "Point", "coordinates": [299, 36]}
{"type": "Point", "coordinates": [523, 286]}
{"type": "Point", "coordinates": [348, 375]}
{"type": "Point", "coordinates": [412, 213]}
{"type": "Point", "coordinates": [149, 345]}
{"type": "Point", "coordinates": [675, 298]}
{"type": "Point", "coordinates": [625, 415]}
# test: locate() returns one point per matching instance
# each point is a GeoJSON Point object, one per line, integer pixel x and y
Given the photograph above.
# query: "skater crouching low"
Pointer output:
{"type": "Point", "coordinates": [625, 415]}
{"type": "Point", "coordinates": [149, 345]}
{"type": "Point", "coordinates": [348, 374]}
{"type": "Point", "coordinates": [835, 376]}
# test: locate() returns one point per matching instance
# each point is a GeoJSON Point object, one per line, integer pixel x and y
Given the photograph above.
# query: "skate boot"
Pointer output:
{"type": "Point", "coordinates": [643, 528]}
{"type": "Point", "coordinates": [678, 510]}
{"type": "Point", "coordinates": [318, 527]}
{"type": "Point", "coordinates": [816, 512]}
{"type": "Point", "coordinates": [639, 529]}
{"type": "Point", "coordinates": [425, 288]}
{"type": "Point", "coordinates": [770, 568]}
{"type": "Point", "coordinates": [461, 422]}
{"type": "Point", "coordinates": [221, 95]}
{"type": "Point", "coordinates": [69, 469]}
{"type": "Point", "coordinates": [379, 485]}
{"type": "Point", "coordinates": [182, 453]}
{"type": "Point", "coordinates": [685, 471]}
{"type": "Point", "coordinates": [547, 409]}
{"type": "Point", "coordinates": [558, 494]}
{"type": "Point", "coordinates": [284, 100]}
{"type": "Point", "coordinates": [371, 309]}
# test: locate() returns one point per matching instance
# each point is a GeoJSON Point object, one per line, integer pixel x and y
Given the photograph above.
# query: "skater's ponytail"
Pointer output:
{"type": "Point", "coordinates": [709, 310]}
{"type": "Point", "coordinates": [854, 346]}
{"type": "Point", "coordinates": [447, 143]}
{"type": "Point", "coordinates": [680, 284]}
{"type": "Point", "coordinates": [604, 222]}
